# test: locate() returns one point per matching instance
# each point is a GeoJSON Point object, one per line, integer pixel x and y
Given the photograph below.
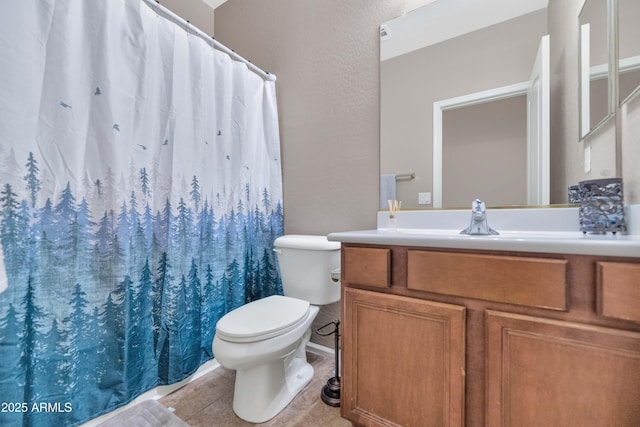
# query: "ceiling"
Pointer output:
{"type": "Point", "coordinates": [214, 3]}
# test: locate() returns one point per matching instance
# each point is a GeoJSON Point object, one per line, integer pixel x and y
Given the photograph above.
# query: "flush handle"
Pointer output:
{"type": "Point", "coordinates": [335, 275]}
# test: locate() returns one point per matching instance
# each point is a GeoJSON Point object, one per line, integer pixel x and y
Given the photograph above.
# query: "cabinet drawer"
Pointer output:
{"type": "Point", "coordinates": [535, 282]}
{"type": "Point", "coordinates": [619, 290]}
{"type": "Point", "coordinates": [367, 266]}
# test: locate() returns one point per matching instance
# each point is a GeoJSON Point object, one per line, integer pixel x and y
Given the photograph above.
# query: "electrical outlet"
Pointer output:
{"type": "Point", "coordinates": [424, 198]}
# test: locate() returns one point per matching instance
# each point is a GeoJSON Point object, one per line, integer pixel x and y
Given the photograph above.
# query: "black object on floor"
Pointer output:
{"type": "Point", "coordinates": [331, 391]}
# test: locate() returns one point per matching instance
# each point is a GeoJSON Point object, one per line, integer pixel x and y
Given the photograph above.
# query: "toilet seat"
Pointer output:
{"type": "Point", "coordinates": [262, 319]}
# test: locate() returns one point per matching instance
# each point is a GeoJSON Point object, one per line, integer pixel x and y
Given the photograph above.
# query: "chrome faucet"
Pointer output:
{"type": "Point", "coordinates": [479, 224]}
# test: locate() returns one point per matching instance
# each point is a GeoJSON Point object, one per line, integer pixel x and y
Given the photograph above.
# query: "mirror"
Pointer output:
{"type": "Point", "coordinates": [628, 49]}
{"type": "Point", "coordinates": [438, 55]}
{"type": "Point", "coordinates": [595, 80]}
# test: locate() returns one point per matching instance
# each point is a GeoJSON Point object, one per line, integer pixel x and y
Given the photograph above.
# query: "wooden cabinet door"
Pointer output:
{"type": "Point", "coordinates": [553, 373]}
{"type": "Point", "coordinates": [403, 361]}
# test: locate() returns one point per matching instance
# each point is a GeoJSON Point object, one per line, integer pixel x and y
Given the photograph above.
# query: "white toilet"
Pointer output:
{"type": "Point", "coordinates": [265, 340]}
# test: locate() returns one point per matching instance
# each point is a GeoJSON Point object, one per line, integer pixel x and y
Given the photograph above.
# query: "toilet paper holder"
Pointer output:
{"type": "Point", "coordinates": [331, 391]}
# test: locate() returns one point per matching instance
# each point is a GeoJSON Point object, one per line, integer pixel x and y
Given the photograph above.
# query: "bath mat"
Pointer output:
{"type": "Point", "coordinates": [149, 413]}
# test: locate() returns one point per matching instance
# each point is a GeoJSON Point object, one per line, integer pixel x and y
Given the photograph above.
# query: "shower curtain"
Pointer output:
{"type": "Point", "coordinates": [140, 194]}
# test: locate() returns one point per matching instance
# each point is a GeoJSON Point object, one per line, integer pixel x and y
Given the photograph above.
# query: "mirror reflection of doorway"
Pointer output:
{"type": "Point", "coordinates": [485, 155]}
{"type": "Point", "coordinates": [530, 116]}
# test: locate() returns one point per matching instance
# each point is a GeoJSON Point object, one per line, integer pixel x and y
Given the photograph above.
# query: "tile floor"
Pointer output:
{"type": "Point", "coordinates": [207, 401]}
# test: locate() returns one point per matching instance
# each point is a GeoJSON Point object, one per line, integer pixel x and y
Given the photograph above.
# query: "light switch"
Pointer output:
{"type": "Point", "coordinates": [424, 198]}
{"type": "Point", "coordinates": [587, 159]}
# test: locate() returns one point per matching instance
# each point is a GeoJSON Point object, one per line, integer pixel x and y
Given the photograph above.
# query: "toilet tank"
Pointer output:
{"type": "Point", "coordinates": [306, 263]}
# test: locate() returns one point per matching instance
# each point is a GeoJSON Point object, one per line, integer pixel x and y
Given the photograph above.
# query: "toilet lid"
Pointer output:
{"type": "Point", "coordinates": [262, 319]}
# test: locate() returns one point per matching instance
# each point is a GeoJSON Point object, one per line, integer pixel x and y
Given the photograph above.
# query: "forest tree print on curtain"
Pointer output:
{"type": "Point", "coordinates": [140, 195]}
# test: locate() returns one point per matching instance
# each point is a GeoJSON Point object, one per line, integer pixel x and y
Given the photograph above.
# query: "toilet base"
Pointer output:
{"type": "Point", "coordinates": [262, 392]}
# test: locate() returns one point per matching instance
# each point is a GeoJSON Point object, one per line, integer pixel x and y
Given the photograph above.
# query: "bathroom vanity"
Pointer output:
{"type": "Point", "coordinates": [448, 330]}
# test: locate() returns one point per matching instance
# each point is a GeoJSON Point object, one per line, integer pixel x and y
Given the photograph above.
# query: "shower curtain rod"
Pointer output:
{"type": "Point", "coordinates": [154, 4]}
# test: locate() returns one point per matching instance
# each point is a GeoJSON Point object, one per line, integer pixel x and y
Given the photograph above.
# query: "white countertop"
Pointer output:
{"type": "Point", "coordinates": [552, 242]}
{"type": "Point", "coordinates": [521, 230]}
